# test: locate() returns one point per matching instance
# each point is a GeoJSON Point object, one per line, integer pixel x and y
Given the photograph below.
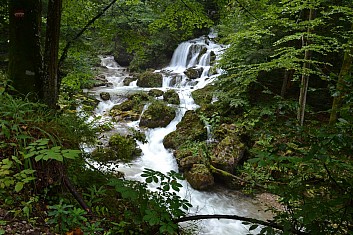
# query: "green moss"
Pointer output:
{"type": "Point", "coordinates": [149, 79]}
{"type": "Point", "coordinates": [158, 114]}
{"type": "Point", "coordinates": [200, 177]}
{"type": "Point", "coordinates": [203, 97]}
{"type": "Point", "coordinates": [155, 93]}
{"type": "Point", "coordinates": [124, 147]}
{"type": "Point", "coordinates": [171, 97]}
{"type": "Point", "coordinates": [130, 109]}
{"type": "Point", "coordinates": [189, 129]}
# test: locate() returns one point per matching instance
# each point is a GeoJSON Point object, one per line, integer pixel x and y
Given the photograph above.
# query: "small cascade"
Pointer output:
{"type": "Point", "coordinates": [109, 62]}
{"type": "Point", "coordinates": [195, 53]}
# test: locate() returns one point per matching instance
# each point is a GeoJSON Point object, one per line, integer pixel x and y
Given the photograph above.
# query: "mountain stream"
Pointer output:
{"type": "Point", "coordinates": [155, 156]}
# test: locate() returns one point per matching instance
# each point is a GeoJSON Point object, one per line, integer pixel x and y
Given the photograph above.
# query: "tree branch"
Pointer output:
{"type": "Point", "coordinates": [89, 23]}
{"type": "Point", "coordinates": [241, 218]}
{"type": "Point", "coordinates": [76, 195]}
{"type": "Point", "coordinates": [234, 177]}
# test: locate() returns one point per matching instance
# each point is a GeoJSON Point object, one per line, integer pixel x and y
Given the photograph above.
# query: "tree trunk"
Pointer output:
{"type": "Point", "coordinates": [25, 60]}
{"type": "Point", "coordinates": [51, 88]}
{"type": "Point", "coordinates": [305, 76]}
{"type": "Point", "coordinates": [341, 83]}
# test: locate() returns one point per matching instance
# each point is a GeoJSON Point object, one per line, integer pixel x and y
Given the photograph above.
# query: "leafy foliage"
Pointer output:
{"type": "Point", "coordinates": [157, 207]}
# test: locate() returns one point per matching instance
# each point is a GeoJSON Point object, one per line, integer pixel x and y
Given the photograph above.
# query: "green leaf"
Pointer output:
{"type": "Point", "coordinates": [18, 186]}
{"type": "Point", "coordinates": [253, 227]}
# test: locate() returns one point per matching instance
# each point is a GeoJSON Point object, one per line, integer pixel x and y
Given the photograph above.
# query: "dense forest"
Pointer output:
{"type": "Point", "coordinates": [280, 114]}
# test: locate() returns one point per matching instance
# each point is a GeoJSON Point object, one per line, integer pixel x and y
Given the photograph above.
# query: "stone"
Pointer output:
{"type": "Point", "coordinates": [158, 114]}
{"type": "Point", "coordinates": [128, 80]}
{"type": "Point", "coordinates": [155, 93]}
{"type": "Point", "coordinates": [171, 97]}
{"type": "Point", "coordinates": [193, 72]}
{"type": "Point", "coordinates": [188, 162]}
{"type": "Point", "coordinates": [228, 153]}
{"type": "Point", "coordinates": [120, 147]}
{"type": "Point", "coordinates": [104, 96]}
{"type": "Point", "coordinates": [199, 177]}
{"type": "Point", "coordinates": [149, 79]}
{"type": "Point", "coordinates": [191, 128]}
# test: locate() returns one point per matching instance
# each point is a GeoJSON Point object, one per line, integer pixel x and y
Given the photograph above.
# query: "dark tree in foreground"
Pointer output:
{"type": "Point", "coordinates": [25, 60]}
{"type": "Point", "coordinates": [51, 86]}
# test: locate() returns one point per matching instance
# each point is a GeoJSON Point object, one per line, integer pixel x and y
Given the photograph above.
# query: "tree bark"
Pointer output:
{"type": "Point", "coordinates": [25, 60]}
{"type": "Point", "coordinates": [305, 76]}
{"type": "Point", "coordinates": [51, 88]}
{"type": "Point", "coordinates": [341, 83]}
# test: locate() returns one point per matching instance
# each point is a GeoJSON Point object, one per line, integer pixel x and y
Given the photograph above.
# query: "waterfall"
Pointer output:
{"type": "Point", "coordinates": [156, 157]}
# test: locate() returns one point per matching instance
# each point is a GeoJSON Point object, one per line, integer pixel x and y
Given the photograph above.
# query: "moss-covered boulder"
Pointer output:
{"type": "Point", "coordinates": [105, 95]}
{"type": "Point", "coordinates": [120, 148]}
{"type": "Point", "coordinates": [228, 154]}
{"type": "Point", "coordinates": [191, 128]}
{"type": "Point", "coordinates": [100, 80]}
{"type": "Point", "coordinates": [193, 72]}
{"type": "Point", "coordinates": [202, 52]}
{"type": "Point", "coordinates": [149, 79]}
{"type": "Point", "coordinates": [186, 159]}
{"type": "Point", "coordinates": [128, 80]}
{"type": "Point", "coordinates": [155, 93]}
{"type": "Point", "coordinates": [130, 110]}
{"type": "Point", "coordinates": [125, 147]}
{"type": "Point", "coordinates": [204, 96]}
{"type": "Point", "coordinates": [158, 114]}
{"type": "Point", "coordinates": [104, 155]}
{"type": "Point", "coordinates": [212, 57]}
{"type": "Point", "coordinates": [199, 177]}
{"type": "Point", "coordinates": [171, 97]}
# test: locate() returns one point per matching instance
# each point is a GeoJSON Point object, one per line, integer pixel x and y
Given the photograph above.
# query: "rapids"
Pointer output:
{"type": "Point", "coordinates": [195, 53]}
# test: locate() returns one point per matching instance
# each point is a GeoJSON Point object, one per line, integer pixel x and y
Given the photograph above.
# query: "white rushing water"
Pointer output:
{"type": "Point", "coordinates": [156, 157]}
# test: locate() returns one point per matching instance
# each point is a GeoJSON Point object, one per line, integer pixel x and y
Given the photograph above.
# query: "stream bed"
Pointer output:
{"type": "Point", "coordinates": [198, 54]}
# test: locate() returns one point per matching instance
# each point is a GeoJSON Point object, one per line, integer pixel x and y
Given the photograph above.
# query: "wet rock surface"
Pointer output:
{"type": "Point", "coordinates": [190, 128]}
{"type": "Point", "coordinates": [171, 97]}
{"type": "Point", "coordinates": [149, 79]}
{"type": "Point", "coordinates": [199, 177]}
{"type": "Point", "coordinates": [158, 114]}
{"type": "Point", "coordinates": [194, 72]}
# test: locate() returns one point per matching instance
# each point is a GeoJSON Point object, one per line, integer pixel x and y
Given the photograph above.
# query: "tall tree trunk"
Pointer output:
{"type": "Point", "coordinates": [25, 60]}
{"type": "Point", "coordinates": [51, 88]}
{"type": "Point", "coordinates": [285, 83]}
{"type": "Point", "coordinates": [341, 84]}
{"type": "Point", "coordinates": [305, 76]}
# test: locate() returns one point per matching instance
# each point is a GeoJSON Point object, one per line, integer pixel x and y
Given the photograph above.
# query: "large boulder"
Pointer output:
{"type": "Point", "coordinates": [128, 80]}
{"type": "Point", "coordinates": [155, 93]}
{"type": "Point", "coordinates": [186, 159]}
{"type": "Point", "coordinates": [100, 80]}
{"type": "Point", "coordinates": [193, 72]}
{"type": "Point", "coordinates": [120, 148]}
{"type": "Point", "coordinates": [191, 128]}
{"type": "Point", "coordinates": [228, 154]}
{"type": "Point", "coordinates": [199, 177]}
{"type": "Point", "coordinates": [105, 96]}
{"type": "Point", "coordinates": [149, 79]}
{"type": "Point", "coordinates": [158, 114]}
{"type": "Point", "coordinates": [125, 147]}
{"type": "Point", "coordinates": [171, 97]}
{"type": "Point", "coordinates": [129, 110]}
{"type": "Point", "coordinates": [204, 96]}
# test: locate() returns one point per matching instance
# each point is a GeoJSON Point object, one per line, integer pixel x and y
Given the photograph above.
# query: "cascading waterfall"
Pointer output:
{"type": "Point", "coordinates": [194, 53]}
